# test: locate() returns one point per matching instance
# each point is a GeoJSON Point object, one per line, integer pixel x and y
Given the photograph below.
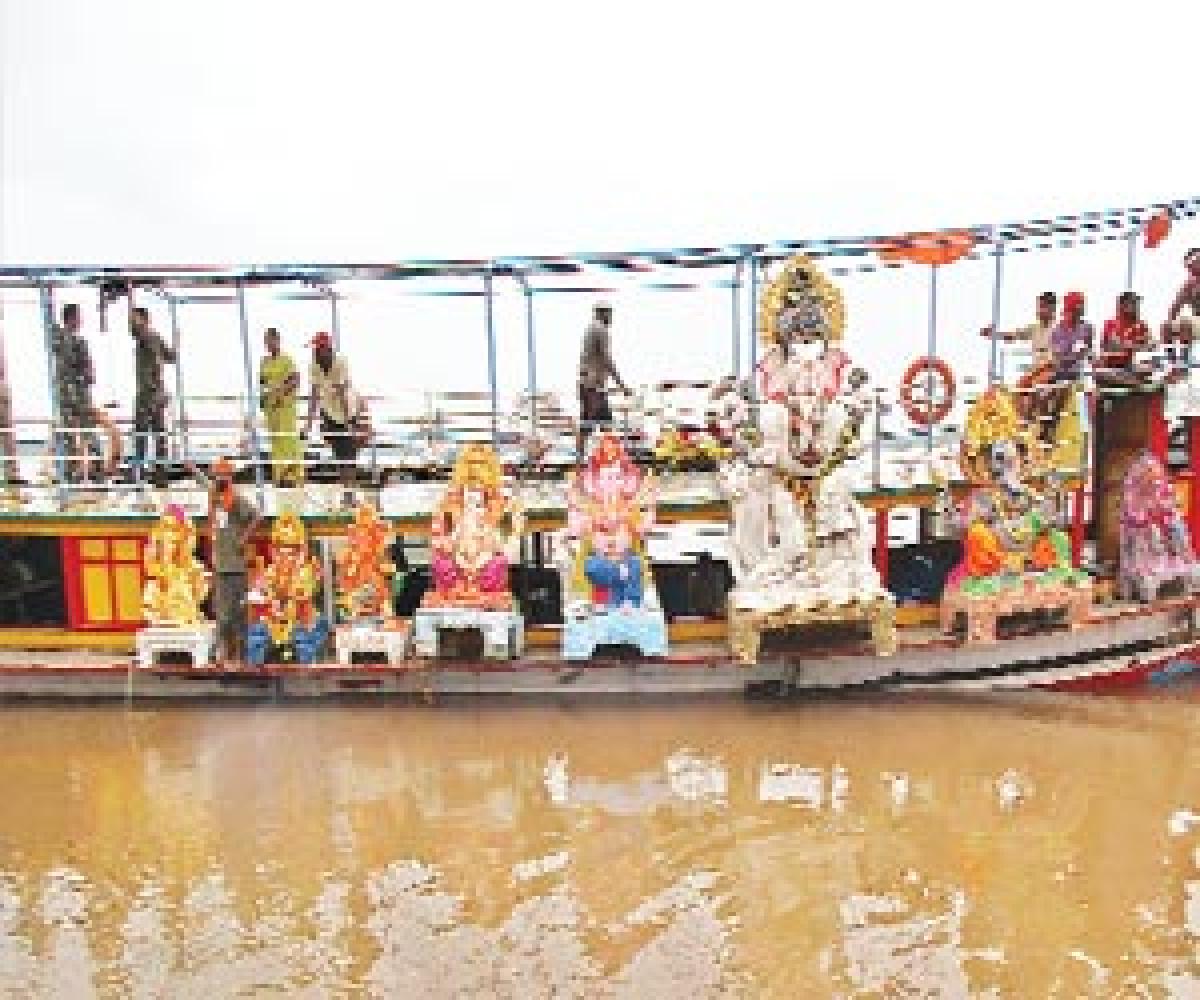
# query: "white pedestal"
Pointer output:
{"type": "Point", "coordinates": [503, 631]}
{"type": "Point", "coordinates": [198, 641]}
{"type": "Point", "coordinates": [351, 639]}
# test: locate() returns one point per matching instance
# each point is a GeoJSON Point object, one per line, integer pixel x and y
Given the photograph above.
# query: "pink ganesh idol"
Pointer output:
{"type": "Point", "coordinates": [469, 534]}
{"type": "Point", "coordinates": [609, 512]}
{"type": "Point", "coordinates": [1155, 547]}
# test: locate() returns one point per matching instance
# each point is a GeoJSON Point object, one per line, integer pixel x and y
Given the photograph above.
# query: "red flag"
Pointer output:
{"type": "Point", "coordinates": [1157, 229]}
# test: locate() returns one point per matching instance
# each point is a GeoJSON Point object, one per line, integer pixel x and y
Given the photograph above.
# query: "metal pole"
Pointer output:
{"type": "Point", "coordinates": [531, 354]}
{"type": "Point", "coordinates": [489, 319]}
{"type": "Point", "coordinates": [8, 437]}
{"type": "Point", "coordinates": [180, 405]}
{"type": "Point", "coordinates": [736, 325]}
{"type": "Point", "coordinates": [335, 324]}
{"type": "Point", "coordinates": [994, 359]}
{"type": "Point", "coordinates": [932, 352]}
{"type": "Point", "coordinates": [753, 327]}
{"type": "Point", "coordinates": [251, 393]}
{"type": "Point", "coordinates": [1131, 258]}
{"type": "Point", "coordinates": [56, 438]}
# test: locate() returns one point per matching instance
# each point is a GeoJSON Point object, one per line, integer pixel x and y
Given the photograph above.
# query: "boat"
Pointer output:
{"type": "Point", "coordinates": [536, 574]}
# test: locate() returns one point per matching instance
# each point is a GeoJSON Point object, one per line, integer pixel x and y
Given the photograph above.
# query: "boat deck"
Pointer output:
{"type": "Point", "coordinates": [1120, 644]}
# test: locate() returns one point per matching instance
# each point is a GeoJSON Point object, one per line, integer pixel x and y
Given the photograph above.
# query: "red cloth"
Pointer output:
{"type": "Point", "coordinates": [1130, 335]}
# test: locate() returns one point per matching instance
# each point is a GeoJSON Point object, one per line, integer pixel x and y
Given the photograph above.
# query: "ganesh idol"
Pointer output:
{"type": "Point", "coordinates": [1156, 548]}
{"type": "Point", "coordinates": [610, 511]}
{"type": "Point", "coordinates": [472, 530]}
{"type": "Point", "coordinates": [799, 539]}
{"type": "Point", "coordinates": [176, 583]}
{"type": "Point", "coordinates": [611, 596]}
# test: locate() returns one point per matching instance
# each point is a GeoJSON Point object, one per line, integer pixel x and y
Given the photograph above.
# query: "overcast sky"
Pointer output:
{"type": "Point", "coordinates": [237, 133]}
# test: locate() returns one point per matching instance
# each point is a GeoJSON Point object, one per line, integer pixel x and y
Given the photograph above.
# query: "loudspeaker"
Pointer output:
{"type": "Point", "coordinates": [693, 589]}
{"type": "Point", "coordinates": [416, 582]}
{"type": "Point", "coordinates": [538, 590]}
{"type": "Point", "coordinates": [917, 573]}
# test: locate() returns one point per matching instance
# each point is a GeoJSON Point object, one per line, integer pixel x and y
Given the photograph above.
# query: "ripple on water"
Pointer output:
{"type": "Point", "coordinates": [1007, 847]}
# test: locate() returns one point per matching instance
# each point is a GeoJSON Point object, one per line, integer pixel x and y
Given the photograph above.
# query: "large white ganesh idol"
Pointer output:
{"type": "Point", "coordinates": [800, 544]}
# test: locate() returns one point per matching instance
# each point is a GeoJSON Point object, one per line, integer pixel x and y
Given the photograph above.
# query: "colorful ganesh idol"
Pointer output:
{"type": "Point", "coordinates": [1015, 557]}
{"type": "Point", "coordinates": [176, 583]}
{"type": "Point", "coordinates": [471, 531]}
{"type": "Point", "coordinates": [612, 600]}
{"type": "Point", "coordinates": [364, 568]}
{"type": "Point", "coordinates": [1155, 548]}
{"type": "Point", "coordinates": [283, 599]}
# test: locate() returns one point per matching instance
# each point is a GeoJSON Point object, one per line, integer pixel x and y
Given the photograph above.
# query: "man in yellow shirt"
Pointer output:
{"type": "Point", "coordinates": [329, 395]}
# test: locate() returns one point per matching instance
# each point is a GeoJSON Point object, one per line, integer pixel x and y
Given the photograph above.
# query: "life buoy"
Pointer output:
{"type": "Point", "coordinates": [922, 413]}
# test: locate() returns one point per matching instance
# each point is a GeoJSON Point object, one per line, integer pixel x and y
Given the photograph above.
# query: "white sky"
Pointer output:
{"type": "Point", "coordinates": [232, 132]}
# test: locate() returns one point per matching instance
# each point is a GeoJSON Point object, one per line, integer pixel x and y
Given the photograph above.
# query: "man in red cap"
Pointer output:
{"type": "Point", "coordinates": [1071, 341]}
{"type": "Point", "coordinates": [329, 394]}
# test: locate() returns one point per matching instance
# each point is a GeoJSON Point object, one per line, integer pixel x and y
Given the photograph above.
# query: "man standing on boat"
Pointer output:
{"type": "Point", "coordinates": [151, 351]}
{"type": "Point", "coordinates": [278, 382]}
{"type": "Point", "coordinates": [329, 394]}
{"type": "Point", "coordinates": [596, 367]}
{"type": "Point", "coordinates": [74, 376]}
{"type": "Point", "coordinates": [232, 523]}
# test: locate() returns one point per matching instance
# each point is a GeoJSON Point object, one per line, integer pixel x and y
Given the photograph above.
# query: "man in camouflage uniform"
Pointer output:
{"type": "Point", "coordinates": [73, 379]}
{"type": "Point", "coordinates": [150, 396]}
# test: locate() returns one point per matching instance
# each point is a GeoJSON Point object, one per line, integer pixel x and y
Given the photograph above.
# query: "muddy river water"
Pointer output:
{"type": "Point", "coordinates": [1025, 846]}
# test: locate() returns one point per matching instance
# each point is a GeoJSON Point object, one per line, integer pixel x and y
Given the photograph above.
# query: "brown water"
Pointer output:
{"type": "Point", "coordinates": [1025, 847]}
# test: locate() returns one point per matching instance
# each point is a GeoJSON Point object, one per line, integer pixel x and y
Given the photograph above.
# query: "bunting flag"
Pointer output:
{"type": "Point", "coordinates": [928, 247]}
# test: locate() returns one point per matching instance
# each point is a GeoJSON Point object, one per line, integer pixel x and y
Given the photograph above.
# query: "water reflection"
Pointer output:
{"type": "Point", "coordinates": [1040, 846]}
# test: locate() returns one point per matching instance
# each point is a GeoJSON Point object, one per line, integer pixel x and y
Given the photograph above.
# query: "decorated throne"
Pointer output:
{"type": "Point", "coordinates": [800, 540]}
{"type": "Point", "coordinates": [473, 533]}
{"type": "Point", "coordinates": [285, 625]}
{"type": "Point", "coordinates": [1016, 558]}
{"type": "Point", "coordinates": [176, 585]}
{"type": "Point", "coordinates": [364, 573]}
{"type": "Point", "coordinates": [1156, 550]}
{"type": "Point", "coordinates": [611, 599]}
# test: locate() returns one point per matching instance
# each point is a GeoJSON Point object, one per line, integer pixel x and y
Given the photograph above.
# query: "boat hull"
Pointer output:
{"type": "Point", "coordinates": [1132, 648]}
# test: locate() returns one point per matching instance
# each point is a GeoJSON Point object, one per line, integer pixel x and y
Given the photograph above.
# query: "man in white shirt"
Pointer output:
{"type": "Point", "coordinates": [329, 393]}
{"type": "Point", "coordinates": [1037, 333]}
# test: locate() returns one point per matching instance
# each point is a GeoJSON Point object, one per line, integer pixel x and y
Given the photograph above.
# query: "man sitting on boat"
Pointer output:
{"type": "Point", "coordinates": [1180, 328]}
{"type": "Point", "coordinates": [1037, 333]}
{"type": "Point", "coordinates": [1125, 334]}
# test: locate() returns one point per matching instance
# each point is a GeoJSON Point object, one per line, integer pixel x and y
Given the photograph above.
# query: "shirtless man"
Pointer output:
{"type": "Point", "coordinates": [1178, 332]}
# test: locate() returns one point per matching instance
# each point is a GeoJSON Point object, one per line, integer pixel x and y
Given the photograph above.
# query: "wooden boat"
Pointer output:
{"type": "Point", "coordinates": [82, 557]}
